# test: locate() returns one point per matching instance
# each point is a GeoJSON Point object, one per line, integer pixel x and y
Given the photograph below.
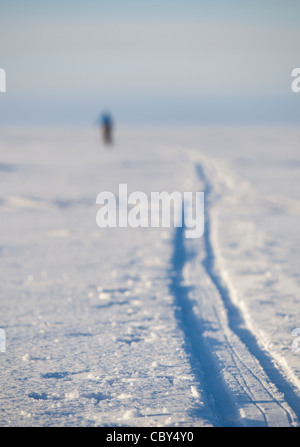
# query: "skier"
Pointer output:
{"type": "Point", "coordinates": [106, 125]}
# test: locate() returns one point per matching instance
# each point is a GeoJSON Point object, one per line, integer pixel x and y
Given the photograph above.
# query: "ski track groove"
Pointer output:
{"type": "Point", "coordinates": [236, 321]}
{"type": "Point", "coordinates": [217, 395]}
{"type": "Point", "coordinates": [235, 356]}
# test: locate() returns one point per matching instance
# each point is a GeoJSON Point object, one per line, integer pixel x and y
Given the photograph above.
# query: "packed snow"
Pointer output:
{"type": "Point", "coordinates": [143, 326]}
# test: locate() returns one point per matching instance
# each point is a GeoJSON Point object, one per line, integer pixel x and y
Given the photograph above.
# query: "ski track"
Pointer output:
{"type": "Point", "coordinates": [236, 321]}
{"type": "Point", "coordinates": [202, 362]}
{"type": "Point", "coordinates": [244, 386]}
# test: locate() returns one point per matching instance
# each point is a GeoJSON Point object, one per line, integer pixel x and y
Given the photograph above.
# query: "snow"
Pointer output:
{"type": "Point", "coordinates": [142, 326]}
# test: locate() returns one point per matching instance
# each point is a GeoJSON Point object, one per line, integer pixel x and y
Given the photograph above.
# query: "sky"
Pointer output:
{"type": "Point", "coordinates": [149, 61]}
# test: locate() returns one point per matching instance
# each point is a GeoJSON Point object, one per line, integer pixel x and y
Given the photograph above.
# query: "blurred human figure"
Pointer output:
{"type": "Point", "coordinates": [107, 128]}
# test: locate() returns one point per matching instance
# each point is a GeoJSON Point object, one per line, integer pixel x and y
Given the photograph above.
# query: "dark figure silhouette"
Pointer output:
{"type": "Point", "coordinates": [107, 127]}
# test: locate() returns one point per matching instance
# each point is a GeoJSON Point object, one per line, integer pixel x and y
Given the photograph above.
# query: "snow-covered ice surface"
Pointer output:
{"type": "Point", "coordinates": [142, 326]}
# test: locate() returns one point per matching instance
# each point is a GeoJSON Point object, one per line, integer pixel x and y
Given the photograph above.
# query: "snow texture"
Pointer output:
{"type": "Point", "coordinates": [142, 326]}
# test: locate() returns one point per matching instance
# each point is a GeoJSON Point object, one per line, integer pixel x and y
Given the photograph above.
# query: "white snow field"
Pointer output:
{"type": "Point", "coordinates": [143, 326]}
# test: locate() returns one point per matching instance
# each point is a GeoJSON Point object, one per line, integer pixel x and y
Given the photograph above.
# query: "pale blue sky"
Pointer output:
{"type": "Point", "coordinates": [183, 61]}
